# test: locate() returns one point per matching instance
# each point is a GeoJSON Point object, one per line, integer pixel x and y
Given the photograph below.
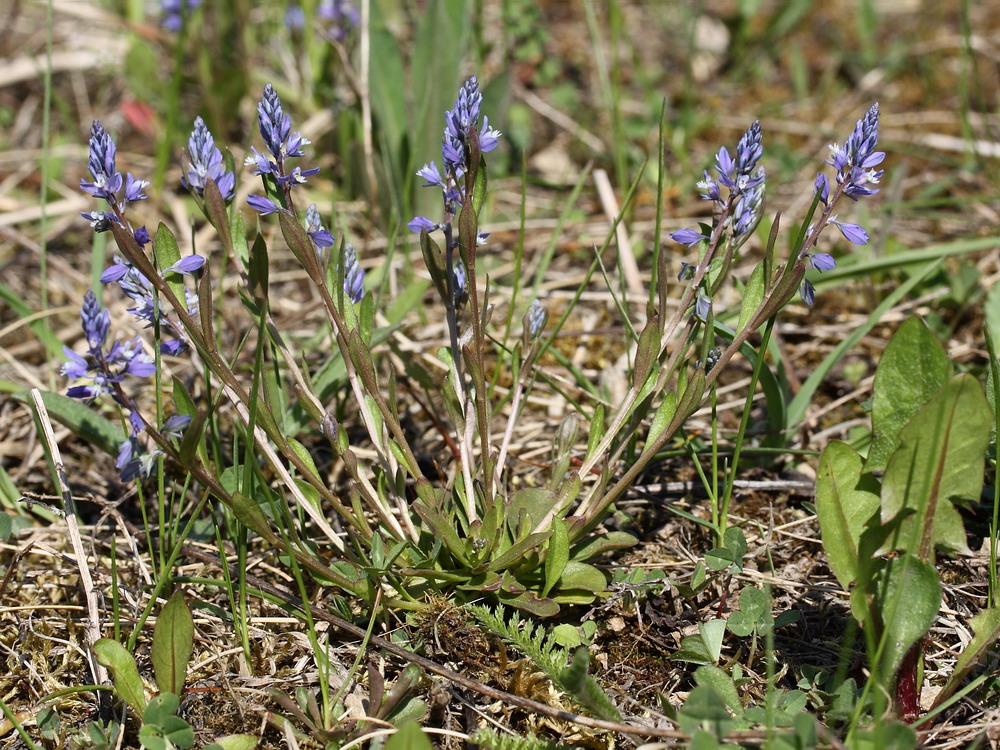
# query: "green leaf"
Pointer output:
{"type": "Point", "coordinates": [646, 351]}
{"type": "Point", "coordinates": [715, 678]}
{"type": "Point", "coordinates": [557, 555]}
{"type": "Point", "coordinates": [578, 575]}
{"type": "Point", "coordinates": [124, 673]}
{"type": "Point", "coordinates": [613, 540]}
{"type": "Point", "coordinates": [712, 633]}
{"type": "Point", "coordinates": [939, 461]}
{"type": "Point", "coordinates": [167, 254]}
{"type": "Point", "coordinates": [81, 420]}
{"type": "Point", "coordinates": [409, 736]}
{"type": "Point", "coordinates": [663, 416]}
{"type": "Point", "coordinates": [753, 295]}
{"type": "Point", "coordinates": [911, 597]}
{"type": "Point", "coordinates": [173, 639]}
{"type": "Point", "coordinates": [845, 501]}
{"type": "Point", "coordinates": [913, 367]}
{"type": "Point", "coordinates": [532, 603]}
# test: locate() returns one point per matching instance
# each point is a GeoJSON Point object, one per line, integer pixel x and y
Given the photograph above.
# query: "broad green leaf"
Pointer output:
{"type": "Point", "coordinates": [173, 639]}
{"type": "Point", "coordinates": [718, 680]}
{"type": "Point", "coordinates": [557, 555]}
{"type": "Point", "coordinates": [913, 367]}
{"type": "Point", "coordinates": [124, 673]}
{"type": "Point", "coordinates": [409, 736]}
{"type": "Point", "coordinates": [909, 600]}
{"type": "Point", "coordinates": [578, 575]}
{"type": "Point", "coordinates": [513, 554]}
{"type": "Point", "coordinates": [845, 500]}
{"type": "Point", "coordinates": [986, 626]}
{"type": "Point", "coordinates": [940, 460]}
{"type": "Point", "coordinates": [753, 295]}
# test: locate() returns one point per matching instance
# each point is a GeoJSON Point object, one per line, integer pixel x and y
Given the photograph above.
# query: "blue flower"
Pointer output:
{"type": "Point", "coordinates": [101, 163]}
{"type": "Point", "coordinates": [108, 181]}
{"type": "Point", "coordinates": [102, 366]}
{"type": "Point", "coordinates": [821, 261]}
{"type": "Point", "coordinates": [205, 163]}
{"type": "Point", "coordinates": [175, 12]}
{"type": "Point", "coordinates": [687, 237]}
{"type": "Point", "coordinates": [854, 161]}
{"type": "Point", "coordinates": [263, 205]}
{"type": "Point", "coordinates": [823, 188]}
{"type": "Point", "coordinates": [354, 275]}
{"type": "Point", "coordinates": [340, 17]}
{"type": "Point", "coordinates": [314, 228]}
{"type": "Point", "coordinates": [459, 120]}
{"type": "Point", "coordinates": [738, 174]}
{"type": "Point", "coordinates": [808, 292]}
{"type": "Point", "coordinates": [186, 265]}
{"type": "Point", "coordinates": [276, 128]}
{"type": "Point", "coordinates": [702, 307]}
{"type": "Point", "coordinates": [421, 224]}
{"type": "Point", "coordinates": [535, 319]}
{"type": "Point", "coordinates": [687, 272]}
{"type": "Point", "coordinates": [853, 232]}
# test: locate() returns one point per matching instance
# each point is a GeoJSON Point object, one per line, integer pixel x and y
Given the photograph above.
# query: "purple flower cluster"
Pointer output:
{"type": "Point", "coordinates": [339, 17]}
{"type": "Point", "coordinates": [276, 128]}
{"type": "Point", "coordinates": [856, 176]}
{"type": "Point", "coordinates": [744, 181]}
{"type": "Point", "coordinates": [104, 368]}
{"type": "Point", "coordinates": [138, 288]}
{"type": "Point", "coordinates": [205, 163]}
{"type": "Point", "coordinates": [354, 275]}
{"type": "Point", "coordinates": [458, 121]}
{"type": "Point", "coordinates": [738, 207]}
{"type": "Point", "coordinates": [176, 11]}
{"type": "Point", "coordinates": [108, 182]}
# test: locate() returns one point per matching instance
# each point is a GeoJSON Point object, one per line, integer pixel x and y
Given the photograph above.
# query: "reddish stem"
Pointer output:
{"type": "Point", "coordinates": [907, 686]}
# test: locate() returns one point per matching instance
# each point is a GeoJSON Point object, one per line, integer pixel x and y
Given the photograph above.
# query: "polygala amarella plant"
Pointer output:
{"type": "Point", "coordinates": [465, 528]}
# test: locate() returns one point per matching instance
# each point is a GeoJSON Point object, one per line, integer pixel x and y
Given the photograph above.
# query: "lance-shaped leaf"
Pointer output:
{"type": "Point", "coordinates": [647, 350]}
{"type": "Point", "coordinates": [753, 295]}
{"type": "Point", "coordinates": [913, 367]}
{"type": "Point", "coordinates": [909, 598]}
{"type": "Point", "coordinates": [173, 638]}
{"type": "Point", "coordinates": [845, 500]}
{"type": "Point", "coordinates": [939, 461]}
{"type": "Point", "coordinates": [124, 672]}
